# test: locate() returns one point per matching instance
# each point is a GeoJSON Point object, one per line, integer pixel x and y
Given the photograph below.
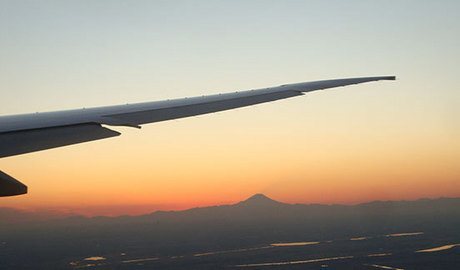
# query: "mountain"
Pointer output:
{"type": "Point", "coordinates": [255, 222]}
{"type": "Point", "coordinates": [256, 207]}
{"type": "Point", "coordinates": [15, 216]}
{"type": "Point", "coordinates": [258, 201]}
{"type": "Point", "coordinates": [254, 218]}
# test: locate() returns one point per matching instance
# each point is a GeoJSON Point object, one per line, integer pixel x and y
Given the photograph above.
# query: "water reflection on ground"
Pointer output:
{"type": "Point", "coordinates": [95, 258]}
{"type": "Point", "coordinates": [358, 238]}
{"type": "Point", "coordinates": [404, 234]}
{"type": "Point", "coordinates": [435, 249]}
{"type": "Point", "coordinates": [227, 251]}
{"type": "Point", "coordinates": [293, 244]}
{"type": "Point", "coordinates": [140, 260]}
{"type": "Point", "coordinates": [383, 251]}
{"type": "Point", "coordinates": [379, 255]}
{"type": "Point", "coordinates": [384, 267]}
{"type": "Point", "coordinates": [295, 262]}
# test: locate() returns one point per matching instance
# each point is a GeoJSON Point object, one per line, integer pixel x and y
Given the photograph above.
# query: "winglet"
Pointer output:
{"type": "Point", "coordinates": [326, 84]}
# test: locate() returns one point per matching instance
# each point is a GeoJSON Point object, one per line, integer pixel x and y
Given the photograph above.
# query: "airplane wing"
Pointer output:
{"type": "Point", "coordinates": [20, 134]}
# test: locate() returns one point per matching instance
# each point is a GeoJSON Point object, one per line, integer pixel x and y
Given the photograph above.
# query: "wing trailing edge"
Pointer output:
{"type": "Point", "coordinates": [26, 141]}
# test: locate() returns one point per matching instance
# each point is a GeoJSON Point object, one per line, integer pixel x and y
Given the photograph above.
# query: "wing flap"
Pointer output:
{"type": "Point", "coordinates": [25, 141]}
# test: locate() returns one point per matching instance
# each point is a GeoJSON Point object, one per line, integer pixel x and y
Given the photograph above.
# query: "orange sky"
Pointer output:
{"type": "Point", "coordinates": [189, 162]}
{"type": "Point", "coordinates": [378, 141]}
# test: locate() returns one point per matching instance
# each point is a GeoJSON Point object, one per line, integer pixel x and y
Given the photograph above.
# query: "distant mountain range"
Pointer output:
{"type": "Point", "coordinates": [260, 207]}
{"type": "Point", "coordinates": [258, 214]}
{"type": "Point", "coordinates": [255, 222]}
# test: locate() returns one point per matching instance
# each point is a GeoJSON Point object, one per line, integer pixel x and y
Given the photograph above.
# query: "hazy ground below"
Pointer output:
{"type": "Point", "coordinates": [258, 233]}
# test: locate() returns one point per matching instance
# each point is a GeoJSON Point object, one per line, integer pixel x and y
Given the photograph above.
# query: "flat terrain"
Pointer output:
{"type": "Point", "coordinates": [258, 233]}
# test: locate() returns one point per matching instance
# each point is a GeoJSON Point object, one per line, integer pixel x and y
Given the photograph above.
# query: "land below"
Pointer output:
{"type": "Point", "coordinates": [257, 233]}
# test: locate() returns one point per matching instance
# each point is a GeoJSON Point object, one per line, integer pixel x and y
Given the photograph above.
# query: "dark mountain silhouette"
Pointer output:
{"type": "Point", "coordinates": [11, 215]}
{"type": "Point", "coordinates": [255, 222]}
{"type": "Point", "coordinates": [257, 217]}
{"type": "Point", "coordinates": [257, 207]}
{"type": "Point", "coordinates": [259, 200]}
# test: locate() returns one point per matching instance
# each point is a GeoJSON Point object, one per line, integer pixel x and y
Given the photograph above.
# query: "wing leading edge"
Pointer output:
{"type": "Point", "coordinates": [20, 134]}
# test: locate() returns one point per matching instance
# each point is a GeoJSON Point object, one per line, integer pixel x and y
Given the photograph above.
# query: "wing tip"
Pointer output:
{"type": "Point", "coordinates": [389, 78]}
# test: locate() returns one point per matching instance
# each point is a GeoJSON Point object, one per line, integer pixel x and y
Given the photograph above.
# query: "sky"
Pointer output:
{"type": "Point", "coordinates": [377, 141]}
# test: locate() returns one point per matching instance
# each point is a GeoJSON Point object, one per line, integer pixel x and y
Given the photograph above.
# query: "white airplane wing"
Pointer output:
{"type": "Point", "coordinates": [20, 134]}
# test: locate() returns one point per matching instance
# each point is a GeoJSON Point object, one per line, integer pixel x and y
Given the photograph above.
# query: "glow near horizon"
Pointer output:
{"type": "Point", "coordinates": [385, 140]}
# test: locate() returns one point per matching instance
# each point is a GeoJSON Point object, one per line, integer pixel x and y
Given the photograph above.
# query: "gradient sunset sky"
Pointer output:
{"type": "Point", "coordinates": [377, 141]}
